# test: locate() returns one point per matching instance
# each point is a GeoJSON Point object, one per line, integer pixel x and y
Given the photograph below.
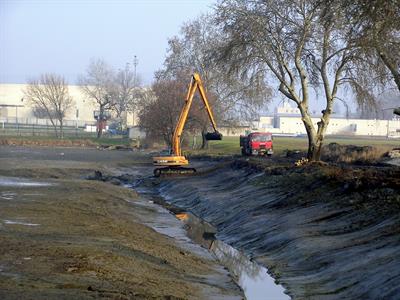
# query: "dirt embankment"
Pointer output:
{"type": "Point", "coordinates": [324, 231]}
{"type": "Point", "coordinates": [81, 239]}
{"type": "Point", "coordinates": [47, 142]}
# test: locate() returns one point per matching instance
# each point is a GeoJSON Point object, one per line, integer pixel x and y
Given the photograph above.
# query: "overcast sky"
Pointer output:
{"type": "Point", "coordinates": [61, 36]}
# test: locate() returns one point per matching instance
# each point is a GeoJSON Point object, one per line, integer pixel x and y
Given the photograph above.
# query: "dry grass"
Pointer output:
{"type": "Point", "coordinates": [353, 154]}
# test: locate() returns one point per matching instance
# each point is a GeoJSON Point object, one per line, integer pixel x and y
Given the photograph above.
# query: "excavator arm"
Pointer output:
{"type": "Point", "coordinates": [174, 162]}
{"type": "Point", "coordinates": [195, 84]}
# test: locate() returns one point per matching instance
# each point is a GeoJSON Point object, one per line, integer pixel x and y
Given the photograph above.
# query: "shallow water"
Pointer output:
{"type": "Point", "coordinates": [164, 222]}
{"type": "Point", "coordinates": [21, 182]}
{"type": "Point", "coordinates": [251, 277]}
{"type": "Point", "coordinates": [7, 195]}
{"type": "Point", "coordinates": [11, 222]}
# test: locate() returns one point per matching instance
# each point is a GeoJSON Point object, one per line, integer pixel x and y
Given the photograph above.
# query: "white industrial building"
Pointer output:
{"type": "Point", "coordinates": [15, 108]}
{"type": "Point", "coordinates": [285, 120]}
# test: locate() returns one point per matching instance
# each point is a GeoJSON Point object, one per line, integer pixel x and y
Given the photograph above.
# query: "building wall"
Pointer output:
{"type": "Point", "coordinates": [234, 131]}
{"type": "Point", "coordinates": [12, 94]}
{"type": "Point", "coordinates": [81, 112]}
{"type": "Point", "coordinates": [286, 108]}
{"type": "Point", "coordinates": [338, 126]}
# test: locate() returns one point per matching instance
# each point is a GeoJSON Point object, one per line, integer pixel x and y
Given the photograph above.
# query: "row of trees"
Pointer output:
{"type": "Point", "coordinates": [247, 50]}
{"type": "Point", "coordinates": [110, 90]}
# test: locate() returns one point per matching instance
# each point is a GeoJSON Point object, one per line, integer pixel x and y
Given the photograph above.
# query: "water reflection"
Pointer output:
{"type": "Point", "coordinates": [254, 279]}
{"type": "Point", "coordinates": [21, 182]}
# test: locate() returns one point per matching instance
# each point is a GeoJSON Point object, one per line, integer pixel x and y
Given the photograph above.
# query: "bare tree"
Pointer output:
{"type": "Point", "coordinates": [49, 94]}
{"type": "Point", "coordinates": [236, 99]}
{"type": "Point", "coordinates": [159, 114]}
{"type": "Point", "coordinates": [127, 93]}
{"type": "Point", "coordinates": [376, 33]}
{"type": "Point", "coordinates": [98, 85]}
{"type": "Point", "coordinates": [376, 26]}
{"type": "Point", "coordinates": [299, 44]}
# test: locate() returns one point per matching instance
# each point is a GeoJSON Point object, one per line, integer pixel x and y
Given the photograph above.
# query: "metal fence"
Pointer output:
{"type": "Point", "coordinates": [43, 127]}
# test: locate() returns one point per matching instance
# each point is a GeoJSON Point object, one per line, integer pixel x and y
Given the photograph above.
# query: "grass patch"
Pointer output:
{"type": "Point", "coordinates": [230, 145]}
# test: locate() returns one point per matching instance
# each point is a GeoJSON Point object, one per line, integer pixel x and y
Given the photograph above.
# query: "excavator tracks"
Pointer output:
{"type": "Point", "coordinates": [173, 171]}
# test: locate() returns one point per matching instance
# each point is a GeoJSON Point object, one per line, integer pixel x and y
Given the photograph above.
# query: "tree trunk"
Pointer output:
{"type": "Point", "coordinates": [204, 141]}
{"type": "Point", "coordinates": [315, 137]}
{"type": "Point", "coordinates": [314, 150]}
{"type": "Point", "coordinates": [390, 64]}
{"type": "Point", "coordinates": [55, 127]}
{"type": "Point", "coordinates": [61, 129]}
{"type": "Point", "coordinates": [314, 140]}
{"type": "Point", "coordinates": [99, 129]}
{"type": "Point", "coordinates": [100, 123]}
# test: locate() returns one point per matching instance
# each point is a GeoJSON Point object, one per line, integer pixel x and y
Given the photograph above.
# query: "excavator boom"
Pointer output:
{"type": "Point", "coordinates": [176, 160]}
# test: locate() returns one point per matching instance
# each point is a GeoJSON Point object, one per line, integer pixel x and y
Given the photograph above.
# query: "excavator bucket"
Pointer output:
{"type": "Point", "coordinates": [213, 136]}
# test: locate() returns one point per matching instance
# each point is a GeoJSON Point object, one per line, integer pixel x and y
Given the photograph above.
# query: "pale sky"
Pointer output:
{"type": "Point", "coordinates": [62, 36]}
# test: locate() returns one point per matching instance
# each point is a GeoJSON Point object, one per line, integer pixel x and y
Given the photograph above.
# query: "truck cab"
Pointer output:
{"type": "Point", "coordinates": [257, 143]}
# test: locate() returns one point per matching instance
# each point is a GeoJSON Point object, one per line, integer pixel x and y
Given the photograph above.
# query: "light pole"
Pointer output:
{"type": "Point", "coordinates": [135, 63]}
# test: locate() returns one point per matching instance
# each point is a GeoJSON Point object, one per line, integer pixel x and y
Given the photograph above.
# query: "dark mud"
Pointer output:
{"type": "Point", "coordinates": [323, 232]}
{"type": "Point", "coordinates": [64, 237]}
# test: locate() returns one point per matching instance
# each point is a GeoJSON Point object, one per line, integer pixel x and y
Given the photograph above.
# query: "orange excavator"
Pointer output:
{"type": "Point", "coordinates": [175, 162]}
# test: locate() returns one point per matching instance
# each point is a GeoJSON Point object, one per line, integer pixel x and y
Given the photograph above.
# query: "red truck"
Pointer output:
{"type": "Point", "coordinates": [257, 143]}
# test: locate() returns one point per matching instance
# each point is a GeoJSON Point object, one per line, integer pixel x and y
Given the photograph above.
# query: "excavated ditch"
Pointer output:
{"type": "Point", "coordinates": [252, 278]}
{"type": "Point", "coordinates": [319, 239]}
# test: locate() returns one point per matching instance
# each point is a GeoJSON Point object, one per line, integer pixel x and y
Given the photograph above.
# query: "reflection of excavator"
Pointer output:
{"type": "Point", "coordinates": [173, 163]}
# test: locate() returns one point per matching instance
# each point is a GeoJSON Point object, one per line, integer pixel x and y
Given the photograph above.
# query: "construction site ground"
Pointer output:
{"type": "Point", "coordinates": [323, 230]}
{"type": "Point", "coordinates": [66, 237]}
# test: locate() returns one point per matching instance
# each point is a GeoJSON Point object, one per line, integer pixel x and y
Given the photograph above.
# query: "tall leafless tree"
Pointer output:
{"type": "Point", "coordinates": [128, 93]}
{"type": "Point", "coordinates": [159, 114]}
{"type": "Point", "coordinates": [49, 94]}
{"type": "Point", "coordinates": [299, 44]}
{"type": "Point", "coordinates": [98, 85]}
{"type": "Point", "coordinates": [236, 99]}
{"type": "Point", "coordinates": [377, 30]}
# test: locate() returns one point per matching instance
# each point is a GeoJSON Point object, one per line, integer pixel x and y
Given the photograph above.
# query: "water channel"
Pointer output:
{"type": "Point", "coordinates": [253, 279]}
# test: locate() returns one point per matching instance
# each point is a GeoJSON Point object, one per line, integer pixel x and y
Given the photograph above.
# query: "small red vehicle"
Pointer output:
{"type": "Point", "coordinates": [257, 143]}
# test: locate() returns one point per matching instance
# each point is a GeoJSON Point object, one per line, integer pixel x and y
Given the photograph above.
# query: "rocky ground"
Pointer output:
{"type": "Point", "coordinates": [65, 237]}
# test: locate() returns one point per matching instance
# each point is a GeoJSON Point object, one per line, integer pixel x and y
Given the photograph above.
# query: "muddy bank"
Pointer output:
{"type": "Point", "coordinates": [63, 236]}
{"type": "Point", "coordinates": [324, 233]}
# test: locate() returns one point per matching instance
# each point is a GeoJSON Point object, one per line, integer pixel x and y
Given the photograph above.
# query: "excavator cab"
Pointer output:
{"type": "Point", "coordinates": [175, 162]}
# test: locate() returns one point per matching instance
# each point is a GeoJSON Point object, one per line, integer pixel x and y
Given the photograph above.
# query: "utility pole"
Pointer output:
{"type": "Point", "coordinates": [135, 63]}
